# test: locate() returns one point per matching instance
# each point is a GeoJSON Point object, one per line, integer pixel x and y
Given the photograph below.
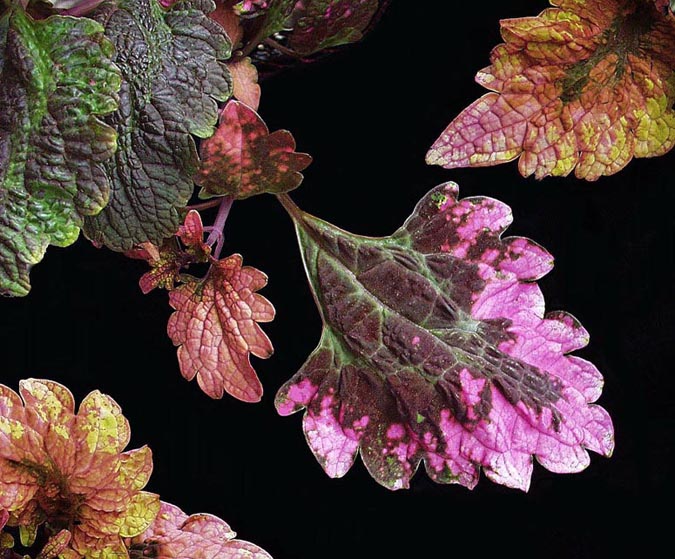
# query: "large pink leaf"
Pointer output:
{"type": "Point", "coordinates": [587, 85]}
{"type": "Point", "coordinates": [215, 327]}
{"type": "Point", "coordinates": [436, 348]}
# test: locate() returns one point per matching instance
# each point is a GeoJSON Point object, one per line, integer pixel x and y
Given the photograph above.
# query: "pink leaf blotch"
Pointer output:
{"type": "Point", "coordinates": [215, 326]}
{"type": "Point", "coordinates": [436, 348]}
{"type": "Point", "coordinates": [584, 86]}
{"type": "Point", "coordinates": [175, 535]}
{"type": "Point", "coordinates": [243, 159]}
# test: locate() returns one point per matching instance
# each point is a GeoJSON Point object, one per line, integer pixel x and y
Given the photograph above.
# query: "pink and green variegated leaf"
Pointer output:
{"type": "Point", "coordinates": [584, 86]}
{"type": "Point", "coordinates": [323, 24]}
{"type": "Point", "coordinates": [175, 535]}
{"type": "Point", "coordinates": [215, 326]}
{"type": "Point", "coordinates": [243, 159]}
{"type": "Point", "coordinates": [436, 348]}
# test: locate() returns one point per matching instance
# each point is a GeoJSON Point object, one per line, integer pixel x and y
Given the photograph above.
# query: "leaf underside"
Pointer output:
{"type": "Point", "coordinates": [57, 80]}
{"type": "Point", "coordinates": [174, 74]}
{"type": "Point", "coordinates": [584, 86]}
{"type": "Point", "coordinates": [435, 348]}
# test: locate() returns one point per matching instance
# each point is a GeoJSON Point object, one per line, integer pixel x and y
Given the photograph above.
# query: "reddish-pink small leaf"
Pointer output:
{"type": "Point", "coordinates": [245, 82]}
{"type": "Point", "coordinates": [243, 159]}
{"type": "Point", "coordinates": [215, 327]}
{"type": "Point", "coordinates": [175, 535]}
{"type": "Point", "coordinates": [191, 234]}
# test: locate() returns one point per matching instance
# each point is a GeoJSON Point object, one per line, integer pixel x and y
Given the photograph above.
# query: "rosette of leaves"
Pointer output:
{"type": "Point", "coordinates": [68, 470]}
{"type": "Point", "coordinates": [436, 349]}
{"type": "Point", "coordinates": [71, 491]}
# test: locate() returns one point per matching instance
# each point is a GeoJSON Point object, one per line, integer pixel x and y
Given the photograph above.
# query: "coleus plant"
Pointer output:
{"type": "Point", "coordinates": [131, 120]}
{"type": "Point", "coordinates": [69, 489]}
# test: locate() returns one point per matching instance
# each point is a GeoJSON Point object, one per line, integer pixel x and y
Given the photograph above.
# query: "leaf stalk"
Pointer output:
{"type": "Point", "coordinates": [216, 235]}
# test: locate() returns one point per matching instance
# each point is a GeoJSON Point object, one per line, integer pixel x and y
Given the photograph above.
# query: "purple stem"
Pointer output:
{"type": "Point", "coordinates": [82, 8]}
{"type": "Point", "coordinates": [216, 235]}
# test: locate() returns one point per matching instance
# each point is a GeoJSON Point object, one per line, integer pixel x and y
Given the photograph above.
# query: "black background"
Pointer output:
{"type": "Point", "coordinates": [368, 115]}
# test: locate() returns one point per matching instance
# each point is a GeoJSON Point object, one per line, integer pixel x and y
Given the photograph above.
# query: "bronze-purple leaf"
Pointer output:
{"type": "Point", "coordinates": [243, 159]}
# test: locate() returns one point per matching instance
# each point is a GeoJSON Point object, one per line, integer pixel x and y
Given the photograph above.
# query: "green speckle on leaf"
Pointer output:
{"type": "Point", "coordinates": [439, 199]}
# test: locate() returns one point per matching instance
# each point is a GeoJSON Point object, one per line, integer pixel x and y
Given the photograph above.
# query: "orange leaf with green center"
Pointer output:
{"type": "Point", "coordinates": [586, 85]}
{"type": "Point", "coordinates": [215, 327]}
{"type": "Point", "coordinates": [69, 469]}
{"type": "Point", "coordinates": [243, 159]}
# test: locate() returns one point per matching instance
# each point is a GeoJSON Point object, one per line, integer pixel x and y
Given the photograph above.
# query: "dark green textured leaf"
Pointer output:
{"type": "Point", "coordinates": [56, 78]}
{"type": "Point", "coordinates": [171, 62]}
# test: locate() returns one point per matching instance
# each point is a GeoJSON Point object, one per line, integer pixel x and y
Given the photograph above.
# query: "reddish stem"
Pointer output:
{"type": "Point", "coordinates": [82, 8]}
{"type": "Point", "coordinates": [281, 48]}
{"type": "Point", "coordinates": [216, 235]}
{"type": "Point", "coordinates": [290, 206]}
{"type": "Point", "coordinates": [205, 205]}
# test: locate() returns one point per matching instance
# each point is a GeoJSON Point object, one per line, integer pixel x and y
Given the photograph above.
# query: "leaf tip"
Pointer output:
{"type": "Point", "coordinates": [433, 157]}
